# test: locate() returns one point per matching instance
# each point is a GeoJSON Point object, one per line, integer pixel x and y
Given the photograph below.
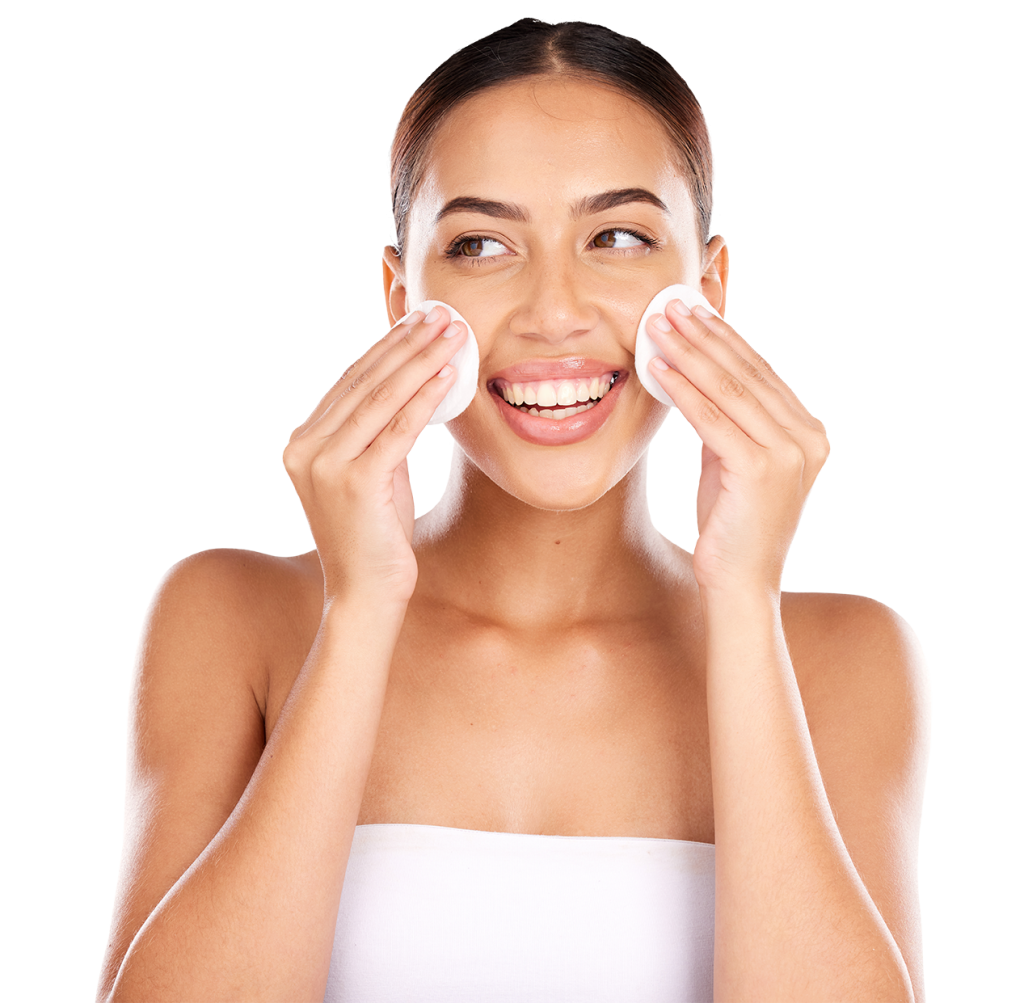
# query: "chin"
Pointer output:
{"type": "Point", "coordinates": [550, 491]}
{"type": "Point", "coordinates": [553, 479]}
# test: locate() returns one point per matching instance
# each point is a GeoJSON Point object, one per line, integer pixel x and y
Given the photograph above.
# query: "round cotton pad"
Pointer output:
{"type": "Point", "coordinates": [646, 349]}
{"type": "Point", "coordinates": [467, 369]}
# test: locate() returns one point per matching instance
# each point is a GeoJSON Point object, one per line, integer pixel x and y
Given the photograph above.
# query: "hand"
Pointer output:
{"type": "Point", "coordinates": [348, 460]}
{"type": "Point", "coordinates": [762, 449]}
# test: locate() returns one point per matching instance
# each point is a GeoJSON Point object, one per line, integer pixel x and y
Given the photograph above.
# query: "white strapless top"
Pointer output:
{"type": "Point", "coordinates": [430, 913]}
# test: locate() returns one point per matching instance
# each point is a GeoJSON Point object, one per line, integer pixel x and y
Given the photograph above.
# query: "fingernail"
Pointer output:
{"type": "Point", "coordinates": [660, 322]}
{"type": "Point", "coordinates": [411, 317]}
{"type": "Point", "coordinates": [704, 312]}
{"type": "Point", "coordinates": [447, 371]}
{"type": "Point", "coordinates": [659, 363]}
{"type": "Point", "coordinates": [451, 330]}
{"type": "Point", "coordinates": [680, 307]}
{"type": "Point", "coordinates": [432, 316]}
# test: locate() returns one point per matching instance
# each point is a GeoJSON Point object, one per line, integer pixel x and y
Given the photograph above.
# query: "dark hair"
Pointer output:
{"type": "Point", "coordinates": [529, 48]}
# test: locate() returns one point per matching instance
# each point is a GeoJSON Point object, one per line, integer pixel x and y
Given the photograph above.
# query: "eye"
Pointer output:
{"type": "Point", "coordinates": [477, 247]}
{"type": "Point", "coordinates": [620, 239]}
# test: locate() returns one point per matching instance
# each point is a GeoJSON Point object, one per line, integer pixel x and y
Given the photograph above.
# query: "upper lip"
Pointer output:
{"type": "Point", "coordinates": [573, 367]}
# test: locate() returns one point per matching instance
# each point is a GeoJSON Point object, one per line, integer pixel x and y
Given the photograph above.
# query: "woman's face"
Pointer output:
{"type": "Point", "coordinates": [551, 211]}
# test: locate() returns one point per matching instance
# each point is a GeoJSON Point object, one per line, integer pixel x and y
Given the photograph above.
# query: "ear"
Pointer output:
{"type": "Point", "coordinates": [394, 285]}
{"type": "Point", "coordinates": [716, 273]}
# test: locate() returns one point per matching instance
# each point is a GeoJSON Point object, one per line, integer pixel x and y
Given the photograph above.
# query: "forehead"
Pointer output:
{"type": "Point", "coordinates": [547, 142]}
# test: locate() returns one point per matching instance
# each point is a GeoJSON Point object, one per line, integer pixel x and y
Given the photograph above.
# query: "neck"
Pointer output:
{"type": "Point", "coordinates": [504, 562]}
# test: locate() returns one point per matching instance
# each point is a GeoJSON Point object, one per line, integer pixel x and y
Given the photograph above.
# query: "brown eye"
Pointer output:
{"type": "Point", "coordinates": [617, 240]}
{"type": "Point", "coordinates": [477, 247]}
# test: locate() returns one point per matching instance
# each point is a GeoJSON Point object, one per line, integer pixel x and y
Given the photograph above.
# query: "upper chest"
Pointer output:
{"type": "Point", "coordinates": [594, 729]}
{"type": "Point", "coordinates": [597, 728]}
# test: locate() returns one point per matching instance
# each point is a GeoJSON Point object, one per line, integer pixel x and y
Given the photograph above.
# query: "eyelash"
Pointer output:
{"type": "Point", "coordinates": [651, 242]}
{"type": "Point", "coordinates": [453, 249]}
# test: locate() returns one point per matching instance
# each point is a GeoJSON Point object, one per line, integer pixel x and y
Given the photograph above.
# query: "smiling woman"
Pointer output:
{"type": "Point", "coordinates": [525, 744]}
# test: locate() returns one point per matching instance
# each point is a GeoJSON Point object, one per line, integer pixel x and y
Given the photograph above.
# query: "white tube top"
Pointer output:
{"type": "Point", "coordinates": [430, 913]}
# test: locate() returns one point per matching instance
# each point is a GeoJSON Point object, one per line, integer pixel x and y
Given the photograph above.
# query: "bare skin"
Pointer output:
{"type": "Point", "coordinates": [532, 655]}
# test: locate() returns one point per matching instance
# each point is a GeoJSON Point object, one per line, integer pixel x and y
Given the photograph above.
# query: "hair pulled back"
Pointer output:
{"type": "Point", "coordinates": [530, 48]}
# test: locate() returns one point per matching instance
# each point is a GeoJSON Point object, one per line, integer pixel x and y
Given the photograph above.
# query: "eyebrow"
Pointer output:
{"type": "Point", "coordinates": [593, 204]}
{"type": "Point", "coordinates": [486, 207]}
{"type": "Point", "coordinates": [588, 206]}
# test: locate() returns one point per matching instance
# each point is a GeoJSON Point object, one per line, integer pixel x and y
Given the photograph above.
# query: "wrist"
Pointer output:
{"type": "Point", "coordinates": [366, 602]}
{"type": "Point", "coordinates": [748, 596]}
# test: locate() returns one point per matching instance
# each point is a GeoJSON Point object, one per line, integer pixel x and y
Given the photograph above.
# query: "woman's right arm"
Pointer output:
{"type": "Point", "coordinates": [235, 853]}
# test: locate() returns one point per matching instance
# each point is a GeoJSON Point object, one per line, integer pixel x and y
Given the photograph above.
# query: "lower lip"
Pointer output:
{"type": "Point", "coordinates": [560, 432]}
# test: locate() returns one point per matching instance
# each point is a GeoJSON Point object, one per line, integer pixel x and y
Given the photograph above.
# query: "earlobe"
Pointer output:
{"type": "Point", "coordinates": [716, 273]}
{"type": "Point", "coordinates": [394, 286]}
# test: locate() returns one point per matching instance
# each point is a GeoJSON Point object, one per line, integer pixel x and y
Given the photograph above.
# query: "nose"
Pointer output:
{"type": "Point", "coordinates": [555, 304]}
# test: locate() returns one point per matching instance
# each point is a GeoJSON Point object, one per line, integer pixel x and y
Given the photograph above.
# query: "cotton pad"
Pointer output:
{"type": "Point", "coordinates": [467, 370]}
{"type": "Point", "coordinates": [646, 349]}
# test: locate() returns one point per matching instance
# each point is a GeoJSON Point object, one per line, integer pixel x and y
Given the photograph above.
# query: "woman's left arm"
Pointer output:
{"type": "Point", "coordinates": [816, 785]}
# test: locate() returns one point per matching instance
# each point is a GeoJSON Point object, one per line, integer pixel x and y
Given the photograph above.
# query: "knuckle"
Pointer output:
{"type": "Point", "coordinates": [821, 447]}
{"type": "Point", "coordinates": [751, 373]}
{"type": "Point", "coordinates": [399, 425]}
{"type": "Point", "coordinates": [290, 458]}
{"type": "Point", "coordinates": [704, 335]}
{"type": "Point", "coordinates": [366, 374]}
{"type": "Point", "coordinates": [764, 366]}
{"type": "Point", "coordinates": [382, 393]}
{"type": "Point", "coordinates": [730, 387]}
{"type": "Point", "coordinates": [316, 470]}
{"type": "Point", "coordinates": [355, 420]}
{"type": "Point", "coordinates": [708, 412]}
{"type": "Point", "coordinates": [793, 456]}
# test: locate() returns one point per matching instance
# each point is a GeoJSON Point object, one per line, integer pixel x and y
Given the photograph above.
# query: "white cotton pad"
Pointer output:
{"type": "Point", "coordinates": [467, 369]}
{"type": "Point", "coordinates": [646, 349]}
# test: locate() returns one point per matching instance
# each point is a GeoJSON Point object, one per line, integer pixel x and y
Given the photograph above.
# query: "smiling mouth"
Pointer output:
{"type": "Point", "coordinates": [556, 399]}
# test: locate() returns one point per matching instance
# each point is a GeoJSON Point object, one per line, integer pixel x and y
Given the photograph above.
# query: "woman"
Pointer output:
{"type": "Point", "coordinates": [531, 659]}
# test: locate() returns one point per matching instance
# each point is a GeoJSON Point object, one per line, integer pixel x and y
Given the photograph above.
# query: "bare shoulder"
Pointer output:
{"type": "Point", "coordinates": [857, 661]}
{"type": "Point", "coordinates": [236, 600]}
{"type": "Point", "coordinates": [221, 626]}
{"type": "Point", "coordinates": [861, 678]}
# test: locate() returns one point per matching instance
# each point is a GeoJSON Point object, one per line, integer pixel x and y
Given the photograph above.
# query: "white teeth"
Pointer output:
{"type": "Point", "coordinates": [557, 413]}
{"type": "Point", "coordinates": [547, 396]}
{"type": "Point", "coordinates": [551, 393]}
{"type": "Point", "coordinates": [556, 398]}
{"type": "Point", "coordinates": [566, 392]}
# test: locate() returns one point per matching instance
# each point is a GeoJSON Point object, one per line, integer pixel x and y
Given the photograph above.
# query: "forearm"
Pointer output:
{"type": "Point", "coordinates": [254, 916]}
{"type": "Point", "coordinates": [793, 920]}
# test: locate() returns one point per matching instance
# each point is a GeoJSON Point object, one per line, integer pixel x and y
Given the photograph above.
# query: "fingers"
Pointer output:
{"type": "Point", "coordinates": [727, 392]}
{"type": "Point", "coordinates": [752, 368]}
{"type": "Point", "coordinates": [408, 337]}
{"type": "Point", "coordinates": [393, 443]}
{"type": "Point", "coordinates": [361, 365]}
{"type": "Point", "coordinates": [394, 376]}
{"type": "Point", "coordinates": [366, 411]}
{"type": "Point", "coordinates": [386, 401]}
